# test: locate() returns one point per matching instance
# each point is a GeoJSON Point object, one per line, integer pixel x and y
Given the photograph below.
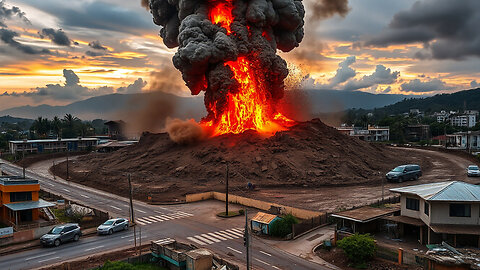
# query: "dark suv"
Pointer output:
{"type": "Point", "coordinates": [404, 173]}
{"type": "Point", "coordinates": [61, 234]}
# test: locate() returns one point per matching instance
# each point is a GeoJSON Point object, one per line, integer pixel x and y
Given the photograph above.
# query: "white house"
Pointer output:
{"type": "Point", "coordinates": [445, 211]}
{"type": "Point", "coordinates": [464, 120]}
{"type": "Point", "coordinates": [371, 134]}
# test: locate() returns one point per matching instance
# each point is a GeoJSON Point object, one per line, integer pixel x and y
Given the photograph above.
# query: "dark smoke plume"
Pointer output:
{"type": "Point", "coordinates": [327, 8]}
{"type": "Point", "coordinates": [260, 28]}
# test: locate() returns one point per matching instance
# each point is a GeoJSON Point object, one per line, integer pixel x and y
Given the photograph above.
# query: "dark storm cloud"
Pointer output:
{"type": "Point", "coordinates": [56, 36]}
{"type": "Point", "coordinates": [448, 28]}
{"type": "Point", "coordinates": [7, 13]}
{"type": "Point", "coordinates": [327, 8]}
{"type": "Point", "coordinates": [8, 36]}
{"type": "Point", "coordinates": [381, 75]}
{"type": "Point", "coordinates": [96, 45]}
{"type": "Point", "coordinates": [96, 15]}
{"type": "Point", "coordinates": [423, 86]}
{"type": "Point", "coordinates": [94, 54]}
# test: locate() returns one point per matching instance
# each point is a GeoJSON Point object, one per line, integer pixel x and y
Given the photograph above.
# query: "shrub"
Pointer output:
{"type": "Point", "coordinates": [359, 248]}
{"type": "Point", "coordinates": [283, 226]}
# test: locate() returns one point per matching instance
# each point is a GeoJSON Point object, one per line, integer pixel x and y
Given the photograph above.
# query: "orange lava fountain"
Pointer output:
{"type": "Point", "coordinates": [250, 108]}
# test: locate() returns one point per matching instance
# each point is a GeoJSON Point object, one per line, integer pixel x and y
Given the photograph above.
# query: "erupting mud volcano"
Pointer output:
{"type": "Point", "coordinates": [227, 48]}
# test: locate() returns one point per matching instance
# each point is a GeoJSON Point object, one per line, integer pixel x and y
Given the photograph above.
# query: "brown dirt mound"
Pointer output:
{"type": "Point", "coordinates": [310, 154]}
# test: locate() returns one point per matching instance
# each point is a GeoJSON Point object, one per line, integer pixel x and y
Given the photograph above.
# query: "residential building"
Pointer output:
{"type": "Point", "coordinates": [19, 201]}
{"type": "Point", "coordinates": [417, 133]}
{"type": "Point", "coordinates": [445, 211]}
{"type": "Point", "coordinates": [52, 145]}
{"type": "Point", "coordinates": [463, 120]}
{"type": "Point", "coordinates": [441, 116]}
{"type": "Point", "coordinates": [371, 134]}
{"type": "Point", "coordinates": [116, 129]}
{"type": "Point", "coordinates": [462, 139]}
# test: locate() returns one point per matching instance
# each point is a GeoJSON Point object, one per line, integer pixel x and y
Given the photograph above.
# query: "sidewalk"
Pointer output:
{"type": "Point", "coordinates": [304, 245]}
{"type": "Point", "coordinates": [32, 244]}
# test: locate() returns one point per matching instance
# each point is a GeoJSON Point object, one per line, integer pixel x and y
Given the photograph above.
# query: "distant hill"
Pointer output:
{"type": "Point", "coordinates": [115, 105]}
{"type": "Point", "coordinates": [458, 101]}
{"type": "Point", "coordinates": [14, 120]}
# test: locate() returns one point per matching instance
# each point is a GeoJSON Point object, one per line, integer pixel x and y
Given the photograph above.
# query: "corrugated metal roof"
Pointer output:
{"type": "Point", "coordinates": [56, 140]}
{"type": "Point", "coordinates": [443, 191]}
{"type": "Point", "coordinates": [263, 218]}
{"type": "Point", "coordinates": [28, 205]}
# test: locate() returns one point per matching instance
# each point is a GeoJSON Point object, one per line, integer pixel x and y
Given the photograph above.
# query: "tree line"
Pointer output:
{"type": "Point", "coordinates": [67, 127]}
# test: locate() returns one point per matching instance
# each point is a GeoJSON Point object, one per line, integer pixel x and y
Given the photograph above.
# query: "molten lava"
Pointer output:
{"type": "Point", "coordinates": [250, 108]}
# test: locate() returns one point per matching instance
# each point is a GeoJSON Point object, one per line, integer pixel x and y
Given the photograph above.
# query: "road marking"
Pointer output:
{"type": "Point", "coordinates": [66, 190]}
{"type": "Point", "coordinates": [196, 241]}
{"type": "Point", "coordinates": [141, 211]}
{"type": "Point", "coordinates": [126, 236]}
{"type": "Point", "coordinates": [273, 266]}
{"type": "Point", "coordinates": [49, 184]}
{"type": "Point", "coordinates": [49, 259]}
{"type": "Point", "coordinates": [232, 249]}
{"type": "Point", "coordinates": [263, 252]}
{"type": "Point", "coordinates": [35, 257]}
{"type": "Point", "coordinates": [210, 238]}
{"type": "Point", "coordinates": [260, 261]}
{"type": "Point", "coordinates": [149, 219]}
{"type": "Point", "coordinates": [234, 233]}
{"type": "Point", "coordinates": [158, 212]}
{"type": "Point", "coordinates": [155, 218]}
{"type": "Point", "coordinates": [88, 249]}
{"type": "Point", "coordinates": [217, 236]}
{"type": "Point", "coordinates": [115, 207]}
{"type": "Point", "coordinates": [225, 235]}
{"type": "Point", "coordinates": [139, 222]}
{"type": "Point", "coordinates": [85, 196]}
{"type": "Point", "coordinates": [161, 218]}
{"type": "Point", "coordinates": [203, 239]}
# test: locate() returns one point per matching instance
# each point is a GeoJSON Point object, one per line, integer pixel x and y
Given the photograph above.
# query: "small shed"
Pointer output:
{"type": "Point", "coordinates": [262, 222]}
{"type": "Point", "coordinates": [364, 219]}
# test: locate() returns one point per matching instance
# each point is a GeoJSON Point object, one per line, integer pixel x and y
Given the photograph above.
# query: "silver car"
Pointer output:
{"type": "Point", "coordinates": [113, 225]}
{"type": "Point", "coordinates": [61, 234]}
{"type": "Point", "coordinates": [473, 170]}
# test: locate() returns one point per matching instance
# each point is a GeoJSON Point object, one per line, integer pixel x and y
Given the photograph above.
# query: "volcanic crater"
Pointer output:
{"type": "Point", "coordinates": [309, 154]}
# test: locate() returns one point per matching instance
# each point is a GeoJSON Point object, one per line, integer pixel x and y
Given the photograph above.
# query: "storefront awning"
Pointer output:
{"type": "Point", "coordinates": [28, 205]}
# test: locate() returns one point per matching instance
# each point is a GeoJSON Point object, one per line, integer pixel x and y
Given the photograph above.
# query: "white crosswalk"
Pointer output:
{"type": "Point", "coordinates": [215, 237]}
{"type": "Point", "coordinates": [160, 218]}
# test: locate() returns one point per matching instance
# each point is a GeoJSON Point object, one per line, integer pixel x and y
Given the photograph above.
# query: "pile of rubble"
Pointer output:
{"type": "Point", "coordinates": [447, 254]}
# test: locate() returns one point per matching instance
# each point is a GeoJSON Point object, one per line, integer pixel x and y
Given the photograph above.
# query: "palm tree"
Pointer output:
{"type": "Point", "coordinates": [56, 125]}
{"type": "Point", "coordinates": [41, 126]}
{"type": "Point", "coordinates": [70, 123]}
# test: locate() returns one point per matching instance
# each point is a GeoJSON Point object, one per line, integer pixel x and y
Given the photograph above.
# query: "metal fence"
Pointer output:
{"type": "Point", "coordinates": [309, 224]}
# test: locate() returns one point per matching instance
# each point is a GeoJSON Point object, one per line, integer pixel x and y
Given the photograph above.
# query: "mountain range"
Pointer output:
{"type": "Point", "coordinates": [115, 106]}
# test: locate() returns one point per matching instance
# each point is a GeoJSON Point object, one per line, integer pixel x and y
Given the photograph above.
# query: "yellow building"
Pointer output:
{"type": "Point", "coordinates": [19, 200]}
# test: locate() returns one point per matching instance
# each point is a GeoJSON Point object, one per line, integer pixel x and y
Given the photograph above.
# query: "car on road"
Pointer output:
{"type": "Point", "coordinates": [61, 234]}
{"type": "Point", "coordinates": [113, 225]}
{"type": "Point", "coordinates": [404, 173]}
{"type": "Point", "coordinates": [473, 170]}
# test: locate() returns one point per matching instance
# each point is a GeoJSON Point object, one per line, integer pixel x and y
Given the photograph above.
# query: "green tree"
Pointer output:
{"type": "Point", "coordinates": [56, 126]}
{"type": "Point", "coordinates": [70, 126]}
{"type": "Point", "coordinates": [41, 127]}
{"type": "Point", "coordinates": [283, 226]}
{"type": "Point", "coordinates": [359, 248]}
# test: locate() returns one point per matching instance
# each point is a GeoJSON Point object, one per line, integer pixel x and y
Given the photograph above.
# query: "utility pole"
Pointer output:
{"type": "Point", "coordinates": [383, 189]}
{"type": "Point", "coordinates": [246, 239]}
{"type": "Point", "coordinates": [23, 162]}
{"type": "Point", "coordinates": [53, 169]}
{"type": "Point", "coordinates": [226, 193]}
{"type": "Point", "coordinates": [68, 152]}
{"type": "Point", "coordinates": [132, 215]}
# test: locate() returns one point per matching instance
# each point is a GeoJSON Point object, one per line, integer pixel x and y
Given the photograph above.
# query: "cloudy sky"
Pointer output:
{"type": "Point", "coordinates": [57, 52]}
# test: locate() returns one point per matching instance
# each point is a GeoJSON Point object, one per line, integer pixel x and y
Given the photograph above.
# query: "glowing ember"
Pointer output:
{"type": "Point", "coordinates": [250, 108]}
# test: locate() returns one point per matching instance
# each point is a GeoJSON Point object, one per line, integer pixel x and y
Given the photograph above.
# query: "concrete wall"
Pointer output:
{"type": "Point", "coordinates": [440, 214]}
{"type": "Point", "coordinates": [26, 235]}
{"type": "Point", "coordinates": [420, 214]}
{"type": "Point", "coordinates": [300, 213]}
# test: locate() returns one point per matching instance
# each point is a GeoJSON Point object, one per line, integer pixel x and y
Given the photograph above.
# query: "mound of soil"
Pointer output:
{"type": "Point", "coordinates": [310, 154]}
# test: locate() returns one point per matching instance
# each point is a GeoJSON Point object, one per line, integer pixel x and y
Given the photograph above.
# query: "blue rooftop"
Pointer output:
{"type": "Point", "coordinates": [443, 191]}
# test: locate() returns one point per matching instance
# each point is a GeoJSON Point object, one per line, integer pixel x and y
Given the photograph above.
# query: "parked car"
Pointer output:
{"type": "Point", "coordinates": [404, 173]}
{"type": "Point", "coordinates": [473, 170]}
{"type": "Point", "coordinates": [61, 234]}
{"type": "Point", "coordinates": [113, 225]}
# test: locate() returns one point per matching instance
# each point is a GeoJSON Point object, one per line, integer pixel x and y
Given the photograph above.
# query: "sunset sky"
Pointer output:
{"type": "Point", "coordinates": [57, 52]}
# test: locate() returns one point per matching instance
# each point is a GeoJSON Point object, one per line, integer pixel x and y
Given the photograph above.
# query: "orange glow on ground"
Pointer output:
{"type": "Point", "coordinates": [250, 108]}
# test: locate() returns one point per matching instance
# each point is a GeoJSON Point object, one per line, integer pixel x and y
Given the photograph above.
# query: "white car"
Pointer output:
{"type": "Point", "coordinates": [473, 170]}
{"type": "Point", "coordinates": [113, 225]}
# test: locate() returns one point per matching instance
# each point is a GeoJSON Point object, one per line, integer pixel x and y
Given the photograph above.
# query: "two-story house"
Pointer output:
{"type": "Point", "coordinates": [19, 200]}
{"type": "Point", "coordinates": [445, 211]}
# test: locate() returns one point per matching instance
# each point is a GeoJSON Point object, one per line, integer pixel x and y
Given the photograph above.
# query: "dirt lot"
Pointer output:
{"type": "Point", "coordinates": [311, 166]}
{"type": "Point", "coordinates": [310, 155]}
{"type": "Point", "coordinates": [338, 258]}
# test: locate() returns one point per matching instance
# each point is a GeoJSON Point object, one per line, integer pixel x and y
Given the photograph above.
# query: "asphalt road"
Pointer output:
{"type": "Point", "coordinates": [194, 223]}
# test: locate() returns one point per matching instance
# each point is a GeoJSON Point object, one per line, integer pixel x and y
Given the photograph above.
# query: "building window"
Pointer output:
{"type": "Point", "coordinates": [20, 196]}
{"type": "Point", "coordinates": [460, 210]}
{"type": "Point", "coordinates": [426, 207]}
{"type": "Point", "coordinates": [413, 204]}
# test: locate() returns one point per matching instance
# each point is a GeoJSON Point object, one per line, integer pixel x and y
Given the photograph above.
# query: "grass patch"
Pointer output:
{"type": "Point", "coordinates": [127, 266]}
{"type": "Point", "coordinates": [231, 214]}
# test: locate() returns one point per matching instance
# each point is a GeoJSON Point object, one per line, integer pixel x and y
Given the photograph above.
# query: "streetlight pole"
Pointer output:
{"type": "Point", "coordinates": [132, 215]}
{"type": "Point", "coordinates": [68, 153]}
{"type": "Point", "coordinates": [247, 239]}
{"type": "Point", "coordinates": [226, 192]}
